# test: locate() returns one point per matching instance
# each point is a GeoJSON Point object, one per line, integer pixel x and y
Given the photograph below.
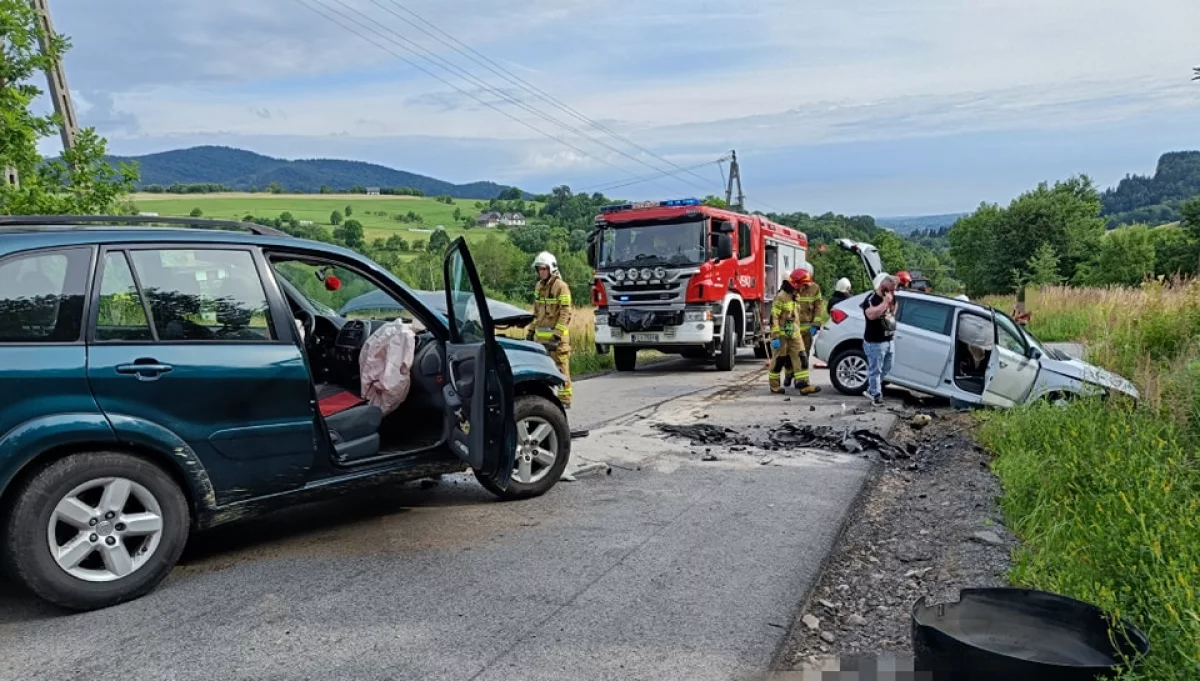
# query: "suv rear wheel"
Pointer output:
{"type": "Point", "coordinates": [95, 529]}
{"type": "Point", "coordinates": [543, 450]}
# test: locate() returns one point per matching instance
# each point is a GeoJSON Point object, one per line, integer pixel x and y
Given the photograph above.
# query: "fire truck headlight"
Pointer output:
{"type": "Point", "coordinates": [660, 273]}
{"type": "Point", "coordinates": [646, 273]}
{"type": "Point", "coordinates": [619, 275]}
{"type": "Point", "coordinates": [698, 316]}
{"type": "Point", "coordinates": [633, 274]}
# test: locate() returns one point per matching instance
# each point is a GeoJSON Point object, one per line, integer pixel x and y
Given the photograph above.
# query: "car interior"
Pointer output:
{"type": "Point", "coordinates": [360, 431]}
{"type": "Point", "coordinates": [972, 351]}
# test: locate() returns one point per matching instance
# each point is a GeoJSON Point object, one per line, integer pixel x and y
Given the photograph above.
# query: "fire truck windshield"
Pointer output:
{"type": "Point", "coordinates": [677, 243]}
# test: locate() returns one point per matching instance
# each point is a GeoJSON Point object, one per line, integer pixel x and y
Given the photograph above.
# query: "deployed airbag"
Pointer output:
{"type": "Point", "coordinates": [979, 334]}
{"type": "Point", "coordinates": [385, 363]}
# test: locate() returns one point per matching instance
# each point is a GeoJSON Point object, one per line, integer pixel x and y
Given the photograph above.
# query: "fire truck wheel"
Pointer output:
{"type": "Point", "coordinates": [727, 357]}
{"type": "Point", "coordinates": [625, 358]}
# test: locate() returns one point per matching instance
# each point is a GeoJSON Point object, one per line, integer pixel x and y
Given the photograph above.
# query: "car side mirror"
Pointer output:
{"type": "Point", "coordinates": [724, 246]}
{"type": "Point", "coordinates": [593, 249]}
{"type": "Point", "coordinates": [1035, 354]}
{"type": "Point", "coordinates": [725, 227]}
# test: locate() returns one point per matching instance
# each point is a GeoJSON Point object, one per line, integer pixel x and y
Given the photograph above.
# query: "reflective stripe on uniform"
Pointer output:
{"type": "Point", "coordinates": [562, 330]}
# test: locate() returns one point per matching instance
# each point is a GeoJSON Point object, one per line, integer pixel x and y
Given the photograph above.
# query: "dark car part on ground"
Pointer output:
{"type": "Point", "coordinates": [1002, 634]}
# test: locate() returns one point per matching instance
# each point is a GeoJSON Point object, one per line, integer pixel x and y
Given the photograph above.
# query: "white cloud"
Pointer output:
{"type": "Point", "coordinates": [687, 78]}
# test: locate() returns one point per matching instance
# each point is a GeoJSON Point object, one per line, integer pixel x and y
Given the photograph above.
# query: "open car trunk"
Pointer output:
{"type": "Point", "coordinates": [867, 253]}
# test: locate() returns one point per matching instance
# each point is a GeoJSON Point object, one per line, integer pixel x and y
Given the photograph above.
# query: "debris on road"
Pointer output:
{"type": "Point", "coordinates": [789, 435]}
{"type": "Point", "coordinates": [703, 433]}
{"type": "Point", "coordinates": [827, 437]}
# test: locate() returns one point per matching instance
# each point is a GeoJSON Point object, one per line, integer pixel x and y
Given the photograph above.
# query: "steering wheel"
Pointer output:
{"type": "Point", "coordinates": [309, 320]}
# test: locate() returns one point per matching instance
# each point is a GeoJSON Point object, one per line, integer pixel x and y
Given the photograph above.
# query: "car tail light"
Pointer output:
{"type": "Point", "coordinates": [837, 316]}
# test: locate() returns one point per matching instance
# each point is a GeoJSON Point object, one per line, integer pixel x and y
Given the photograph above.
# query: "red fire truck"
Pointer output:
{"type": "Point", "coordinates": [683, 278]}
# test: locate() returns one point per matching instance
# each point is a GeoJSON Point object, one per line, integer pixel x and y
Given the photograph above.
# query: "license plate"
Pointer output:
{"type": "Point", "coordinates": [645, 338]}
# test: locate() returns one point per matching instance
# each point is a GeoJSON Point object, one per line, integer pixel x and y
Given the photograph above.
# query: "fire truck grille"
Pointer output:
{"type": "Point", "coordinates": [647, 293]}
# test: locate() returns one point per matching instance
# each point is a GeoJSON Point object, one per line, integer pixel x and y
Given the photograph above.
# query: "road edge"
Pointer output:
{"type": "Point", "coordinates": [852, 513]}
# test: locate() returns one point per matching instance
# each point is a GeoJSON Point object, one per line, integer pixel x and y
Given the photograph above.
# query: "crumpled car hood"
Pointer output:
{"type": "Point", "coordinates": [1088, 373]}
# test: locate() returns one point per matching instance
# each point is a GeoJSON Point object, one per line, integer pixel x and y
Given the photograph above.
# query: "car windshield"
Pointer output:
{"type": "Point", "coordinates": [330, 290]}
{"type": "Point", "coordinates": [678, 243]}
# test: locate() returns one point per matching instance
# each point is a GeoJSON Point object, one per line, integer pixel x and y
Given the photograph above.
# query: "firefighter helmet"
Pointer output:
{"type": "Point", "coordinates": [800, 276]}
{"type": "Point", "coordinates": [904, 277]}
{"type": "Point", "coordinates": [842, 285]}
{"type": "Point", "coordinates": [546, 259]}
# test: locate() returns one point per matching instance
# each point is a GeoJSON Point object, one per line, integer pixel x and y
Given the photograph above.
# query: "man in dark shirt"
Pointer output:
{"type": "Point", "coordinates": [879, 308]}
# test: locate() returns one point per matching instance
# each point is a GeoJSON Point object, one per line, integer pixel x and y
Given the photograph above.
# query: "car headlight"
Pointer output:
{"type": "Point", "coordinates": [698, 316]}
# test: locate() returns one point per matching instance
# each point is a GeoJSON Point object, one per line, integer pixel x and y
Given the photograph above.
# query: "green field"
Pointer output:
{"type": "Point", "coordinates": [376, 213]}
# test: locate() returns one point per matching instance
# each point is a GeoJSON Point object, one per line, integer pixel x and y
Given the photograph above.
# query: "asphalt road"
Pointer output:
{"type": "Point", "coordinates": [670, 567]}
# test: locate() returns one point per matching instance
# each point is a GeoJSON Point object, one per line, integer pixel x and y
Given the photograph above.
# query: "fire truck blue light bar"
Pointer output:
{"type": "Point", "coordinates": [649, 204]}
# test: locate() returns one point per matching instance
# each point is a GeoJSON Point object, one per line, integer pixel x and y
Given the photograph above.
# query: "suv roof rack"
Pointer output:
{"type": "Point", "coordinates": [66, 220]}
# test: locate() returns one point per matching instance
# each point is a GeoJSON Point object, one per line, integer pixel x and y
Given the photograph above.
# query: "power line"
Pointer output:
{"type": "Point", "coordinates": [617, 184]}
{"type": "Point", "coordinates": [490, 64]}
{"type": "Point", "coordinates": [460, 90]}
{"type": "Point", "coordinates": [430, 57]}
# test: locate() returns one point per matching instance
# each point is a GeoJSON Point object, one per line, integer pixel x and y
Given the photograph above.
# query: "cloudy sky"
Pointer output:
{"type": "Point", "coordinates": [856, 106]}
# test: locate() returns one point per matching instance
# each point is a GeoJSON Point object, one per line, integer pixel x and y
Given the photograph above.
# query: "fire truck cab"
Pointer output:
{"type": "Point", "coordinates": [683, 278]}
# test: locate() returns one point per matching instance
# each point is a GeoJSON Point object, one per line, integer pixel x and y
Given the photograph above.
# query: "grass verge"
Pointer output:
{"type": "Point", "coordinates": [1106, 497]}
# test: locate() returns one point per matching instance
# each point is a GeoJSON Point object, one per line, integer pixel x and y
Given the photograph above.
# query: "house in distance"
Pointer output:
{"type": "Point", "coordinates": [496, 218]}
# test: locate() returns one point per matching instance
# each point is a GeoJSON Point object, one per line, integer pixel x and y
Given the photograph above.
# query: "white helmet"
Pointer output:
{"type": "Point", "coordinates": [879, 279]}
{"type": "Point", "coordinates": [842, 285]}
{"type": "Point", "coordinates": [962, 297]}
{"type": "Point", "coordinates": [546, 259]}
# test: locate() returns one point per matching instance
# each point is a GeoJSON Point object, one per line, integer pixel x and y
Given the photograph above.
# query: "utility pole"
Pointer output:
{"type": "Point", "coordinates": [56, 76]}
{"type": "Point", "coordinates": [735, 174]}
{"type": "Point", "coordinates": [10, 173]}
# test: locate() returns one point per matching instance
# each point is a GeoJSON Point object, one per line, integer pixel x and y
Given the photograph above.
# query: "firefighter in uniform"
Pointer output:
{"type": "Point", "coordinates": [810, 314]}
{"type": "Point", "coordinates": [786, 338]}
{"type": "Point", "coordinates": [551, 317]}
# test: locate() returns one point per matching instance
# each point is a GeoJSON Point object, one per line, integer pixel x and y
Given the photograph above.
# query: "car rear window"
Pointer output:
{"type": "Point", "coordinates": [41, 296]}
{"type": "Point", "coordinates": [926, 314]}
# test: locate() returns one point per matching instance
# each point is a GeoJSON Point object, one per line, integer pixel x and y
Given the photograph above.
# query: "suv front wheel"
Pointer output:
{"type": "Point", "coordinates": [95, 529]}
{"type": "Point", "coordinates": [543, 449]}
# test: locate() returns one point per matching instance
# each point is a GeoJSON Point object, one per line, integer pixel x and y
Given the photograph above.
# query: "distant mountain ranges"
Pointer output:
{"type": "Point", "coordinates": [909, 224]}
{"type": "Point", "coordinates": [241, 170]}
{"type": "Point", "coordinates": [1136, 198]}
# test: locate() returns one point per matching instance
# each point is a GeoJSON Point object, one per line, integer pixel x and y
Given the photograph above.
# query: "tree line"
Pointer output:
{"type": "Point", "coordinates": [1057, 234]}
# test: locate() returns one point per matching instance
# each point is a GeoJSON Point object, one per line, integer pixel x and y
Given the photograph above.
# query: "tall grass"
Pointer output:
{"type": "Point", "coordinates": [1105, 497]}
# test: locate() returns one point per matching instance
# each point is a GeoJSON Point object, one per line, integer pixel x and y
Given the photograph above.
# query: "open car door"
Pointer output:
{"type": "Point", "coordinates": [868, 253]}
{"type": "Point", "coordinates": [480, 393]}
{"type": "Point", "coordinates": [1012, 370]}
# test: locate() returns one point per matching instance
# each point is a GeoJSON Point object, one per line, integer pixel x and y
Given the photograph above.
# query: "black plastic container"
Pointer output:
{"type": "Point", "coordinates": [1018, 634]}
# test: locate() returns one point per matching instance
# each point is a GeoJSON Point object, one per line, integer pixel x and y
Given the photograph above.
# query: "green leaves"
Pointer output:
{"type": "Point", "coordinates": [994, 246]}
{"type": "Point", "coordinates": [81, 181]}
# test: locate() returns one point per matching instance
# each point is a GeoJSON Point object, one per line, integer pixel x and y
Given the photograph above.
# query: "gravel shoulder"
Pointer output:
{"type": "Point", "coordinates": [928, 525]}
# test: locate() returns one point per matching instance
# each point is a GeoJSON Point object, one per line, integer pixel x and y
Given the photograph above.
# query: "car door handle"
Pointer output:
{"type": "Point", "coordinates": [145, 369]}
{"type": "Point", "coordinates": [1003, 364]}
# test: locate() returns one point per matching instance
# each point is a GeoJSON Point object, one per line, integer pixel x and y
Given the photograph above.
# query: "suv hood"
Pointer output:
{"type": "Point", "coordinates": [1088, 373]}
{"type": "Point", "coordinates": [530, 361]}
